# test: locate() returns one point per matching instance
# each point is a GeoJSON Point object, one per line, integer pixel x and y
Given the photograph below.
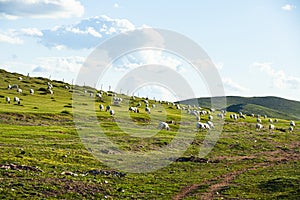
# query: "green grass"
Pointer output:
{"type": "Point", "coordinates": [41, 133]}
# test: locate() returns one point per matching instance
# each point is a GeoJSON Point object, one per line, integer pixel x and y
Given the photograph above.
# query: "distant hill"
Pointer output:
{"type": "Point", "coordinates": [270, 105]}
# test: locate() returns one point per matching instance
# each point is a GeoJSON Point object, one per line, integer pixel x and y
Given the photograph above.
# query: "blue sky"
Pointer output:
{"type": "Point", "coordinates": [254, 44]}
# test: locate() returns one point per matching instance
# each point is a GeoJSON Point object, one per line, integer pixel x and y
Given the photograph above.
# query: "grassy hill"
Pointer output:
{"type": "Point", "coordinates": [43, 155]}
{"type": "Point", "coordinates": [275, 107]}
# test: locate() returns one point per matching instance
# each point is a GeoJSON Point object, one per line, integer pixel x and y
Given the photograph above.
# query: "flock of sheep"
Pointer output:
{"type": "Point", "coordinates": [197, 112]}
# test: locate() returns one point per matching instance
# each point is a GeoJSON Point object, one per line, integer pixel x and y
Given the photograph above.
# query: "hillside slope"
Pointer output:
{"type": "Point", "coordinates": [271, 106]}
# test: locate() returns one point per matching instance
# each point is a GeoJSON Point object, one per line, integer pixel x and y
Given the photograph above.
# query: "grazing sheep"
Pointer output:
{"type": "Point", "coordinates": [146, 102]}
{"type": "Point", "coordinates": [271, 127]}
{"type": "Point", "coordinates": [202, 126]}
{"type": "Point", "coordinates": [258, 120]}
{"type": "Point", "coordinates": [220, 115]}
{"type": "Point", "coordinates": [134, 109]}
{"type": "Point", "coordinates": [138, 105]}
{"type": "Point", "coordinates": [252, 115]}
{"type": "Point", "coordinates": [98, 95]}
{"type": "Point", "coordinates": [177, 106]}
{"type": "Point", "coordinates": [16, 99]}
{"type": "Point", "coordinates": [270, 120]}
{"type": "Point", "coordinates": [234, 116]}
{"type": "Point", "coordinates": [242, 116]}
{"type": "Point", "coordinates": [91, 94]}
{"type": "Point", "coordinates": [265, 116]}
{"type": "Point", "coordinates": [19, 90]}
{"type": "Point", "coordinates": [7, 100]}
{"type": "Point", "coordinates": [31, 91]}
{"type": "Point", "coordinates": [101, 107]}
{"type": "Point", "coordinates": [210, 118]}
{"type": "Point", "coordinates": [210, 124]}
{"type": "Point", "coordinates": [85, 92]}
{"type": "Point", "coordinates": [153, 105]}
{"type": "Point", "coordinates": [258, 126]}
{"type": "Point", "coordinates": [163, 125]}
{"type": "Point", "coordinates": [9, 87]}
{"type": "Point", "coordinates": [107, 108]}
{"type": "Point", "coordinates": [275, 120]}
{"type": "Point", "coordinates": [292, 123]}
{"type": "Point", "coordinates": [112, 112]}
{"type": "Point", "coordinates": [67, 87]}
{"type": "Point", "coordinates": [20, 78]}
{"type": "Point", "coordinates": [147, 109]}
{"type": "Point", "coordinates": [198, 118]}
{"type": "Point", "coordinates": [291, 128]}
{"type": "Point", "coordinates": [51, 91]}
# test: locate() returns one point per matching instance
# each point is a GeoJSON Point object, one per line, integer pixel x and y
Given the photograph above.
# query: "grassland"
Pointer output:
{"type": "Point", "coordinates": [43, 156]}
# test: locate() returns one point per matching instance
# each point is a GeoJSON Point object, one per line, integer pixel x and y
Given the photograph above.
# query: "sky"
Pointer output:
{"type": "Point", "coordinates": [255, 45]}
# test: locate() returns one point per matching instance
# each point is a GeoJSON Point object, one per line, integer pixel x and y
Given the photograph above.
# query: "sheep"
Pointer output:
{"type": "Point", "coordinates": [210, 118]}
{"type": "Point", "coordinates": [275, 120]}
{"type": "Point", "coordinates": [258, 120]}
{"type": "Point", "coordinates": [198, 118]}
{"type": "Point", "coordinates": [242, 116]}
{"type": "Point", "coordinates": [67, 87]}
{"type": "Point", "coordinates": [292, 123]}
{"type": "Point", "coordinates": [147, 109]}
{"type": "Point", "coordinates": [9, 87]}
{"type": "Point", "coordinates": [291, 128]}
{"type": "Point", "coordinates": [177, 106]}
{"type": "Point", "coordinates": [85, 92]}
{"type": "Point", "coordinates": [270, 120]}
{"type": "Point", "coordinates": [153, 105]}
{"type": "Point", "coordinates": [16, 99]}
{"type": "Point", "coordinates": [107, 108]}
{"type": "Point", "coordinates": [98, 95]}
{"type": "Point", "coordinates": [91, 94]}
{"type": "Point", "coordinates": [31, 91]}
{"type": "Point", "coordinates": [265, 116]}
{"type": "Point", "coordinates": [112, 112]}
{"type": "Point", "coordinates": [7, 100]}
{"type": "Point", "coordinates": [271, 127]}
{"type": "Point", "coordinates": [252, 115]}
{"type": "Point", "coordinates": [234, 116]}
{"type": "Point", "coordinates": [138, 105]}
{"type": "Point", "coordinates": [258, 126]}
{"type": "Point", "coordinates": [134, 109]}
{"type": "Point", "coordinates": [220, 115]}
{"type": "Point", "coordinates": [163, 125]}
{"type": "Point", "coordinates": [202, 126]}
{"type": "Point", "coordinates": [146, 102]}
{"type": "Point", "coordinates": [101, 107]}
{"type": "Point", "coordinates": [20, 78]}
{"type": "Point", "coordinates": [147, 105]}
{"type": "Point", "coordinates": [51, 91]}
{"type": "Point", "coordinates": [210, 124]}
{"type": "Point", "coordinates": [19, 90]}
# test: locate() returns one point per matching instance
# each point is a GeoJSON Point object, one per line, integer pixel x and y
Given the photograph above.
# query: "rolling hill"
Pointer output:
{"type": "Point", "coordinates": [271, 106]}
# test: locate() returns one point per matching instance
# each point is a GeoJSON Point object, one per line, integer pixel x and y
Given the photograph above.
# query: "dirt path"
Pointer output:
{"type": "Point", "coordinates": [273, 158]}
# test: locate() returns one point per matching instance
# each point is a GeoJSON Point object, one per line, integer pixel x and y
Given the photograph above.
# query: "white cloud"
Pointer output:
{"type": "Point", "coordinates": [288, 7]}
{"type": "Point", "coordinates": [231, 85]}
{"type": "Point", "coordinates": [10, 39]}
{"type": "Point", "coordinates": [31, 32]}
{"type": "Point", "coordinates": [13, 9]}
{"type": "Point", "coordinates": [86, 34]}
{"type": "Point", "coordinates": [116, 5]}
{"type": "Point", "coordinates": [279, 78]}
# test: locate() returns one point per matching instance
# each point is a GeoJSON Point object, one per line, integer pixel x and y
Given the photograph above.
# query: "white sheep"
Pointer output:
{"type": "Point", "coordinates": [91, 94]}
{"type": "Point", "coordinates": [258, 120]}
{"type": "Point", "coordinates": [258, 126]}
{"type": "Point", "coordinates": [7, 100]}
{"type": "Point", "coordinates": [163, 125]}
{"type": "Point", "coordinates": [51, 91]}
{"type": "Point", "coordinates": [292, 123]}
{"type": "Point", "coordinates": [147, 109]}
{"type": "Point", "coordinates": [291, 128]}
{"type": "Point", "coordinates": [16, 99]}
{"type": "Point", "coordinates": [134, 109]}
{"type": "Point", "coordinates": [275, 120]}
{"type": "Point", "coordinates": [210, 118]}
{"type": "Point", "coordinates": [210, 124]}
{"type": "Point", "coordinates": [9, 87]}
{"type": "Point", "coordinates": [270, 120]}
{"type": "Point", "coordinates": [242, 116]}
{"type": "Point", "coordinates": [177, 106]}
{"type": "Point", "coordinates": [202, 126]}
{"type": "Point", "coordinates": [112, 112]}
{"type": "Point", "coordinates": [271, 127]}
{"type": "Point", "coordinates": [107, 108]}
{"type": "Point", "coordinates": [138, 105]}
{"type": "Point", "coordinates": [220, 115]}
{"type": "Point", "coordinates": [101, 107]}
{"type": "Point", "coordinates": [234, 116]}
{"type": "Point", "coordinates": [20, 78]}
{"type": "Point", "coordinates": [153, 105]}
{"type": "Point", "coordinates": [31, 91]}
{"type": "Point", "coordinates": [198, 118]}
{"type": "Point", "coordinates": [19, 90]}
{"type": "Point", "coordinates": [98, 95]}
